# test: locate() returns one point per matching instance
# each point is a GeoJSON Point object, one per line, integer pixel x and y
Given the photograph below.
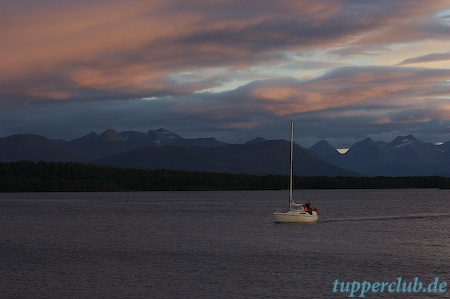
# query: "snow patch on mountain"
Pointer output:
{"type": "Point", "coordinates": [403, 143]}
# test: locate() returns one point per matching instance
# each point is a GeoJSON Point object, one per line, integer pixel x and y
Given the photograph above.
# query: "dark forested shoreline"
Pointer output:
{"type": "Point", "coordinates": [26, 176]}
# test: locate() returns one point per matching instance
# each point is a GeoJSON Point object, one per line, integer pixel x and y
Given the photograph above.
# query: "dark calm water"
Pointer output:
{"type": "Point", "coordinates": [219, 244]}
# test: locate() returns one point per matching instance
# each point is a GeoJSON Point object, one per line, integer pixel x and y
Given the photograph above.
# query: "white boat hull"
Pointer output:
{"type": "Point", "coordinates": [295, 217]}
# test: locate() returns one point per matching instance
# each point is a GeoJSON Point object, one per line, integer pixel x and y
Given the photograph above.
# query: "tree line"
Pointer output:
{"type": "Point", "coordinates": [27, 176]}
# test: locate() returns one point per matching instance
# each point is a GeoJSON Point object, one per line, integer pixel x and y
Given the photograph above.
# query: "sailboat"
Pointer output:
{"type": "Point", "coordinates": [296, 212]}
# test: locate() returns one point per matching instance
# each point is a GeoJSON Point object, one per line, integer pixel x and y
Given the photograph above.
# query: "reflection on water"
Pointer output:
{"type": "Point", "coordinates": [217, 244]}
{"type": "Point", "coordinates": [390, 217]}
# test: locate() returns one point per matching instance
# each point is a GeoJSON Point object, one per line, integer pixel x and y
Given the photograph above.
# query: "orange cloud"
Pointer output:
{"type": "Point", "coordinates": [133, 47]}
{"type": "Point", "coordinates": [118, 46]}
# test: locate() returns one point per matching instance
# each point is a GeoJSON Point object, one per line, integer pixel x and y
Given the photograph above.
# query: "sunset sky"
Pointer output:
{"type": "Point", "coordinates": [234, 70]}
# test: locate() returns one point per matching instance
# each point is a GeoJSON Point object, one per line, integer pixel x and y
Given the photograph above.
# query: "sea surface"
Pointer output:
{"type": "Point", "coordinates": [219, 244]}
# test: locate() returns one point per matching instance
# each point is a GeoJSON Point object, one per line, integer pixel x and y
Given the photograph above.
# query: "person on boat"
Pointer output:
{"type": "Point", "coordinates": [308, 208]}
{"type": "Point", "coordinates": [315, 210]}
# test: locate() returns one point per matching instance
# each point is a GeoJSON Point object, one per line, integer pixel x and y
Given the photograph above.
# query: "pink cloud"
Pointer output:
{"type": "Point", "coordinates": [132, 45]}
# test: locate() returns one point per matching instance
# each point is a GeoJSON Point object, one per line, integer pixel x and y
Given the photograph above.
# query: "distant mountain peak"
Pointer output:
{"type": "Point", "coordinates": [322, 144]}
{"type": "Point", "coordinates": [163, 136]}
{"type": "Point", "coordinates": [362, 144]}
{"type": "Point", "coordinates": [164, 131]}
{"type": "Point", "coordinates": [403, 140]}
{"type": "Point", "coordinates": [324, 151]}
{"type": "Point", "coordinates": [111, 135]}
{"type": "Point", "coordinates": [368, 140]}
{"type": "Point", "coordinates": [256, 140]}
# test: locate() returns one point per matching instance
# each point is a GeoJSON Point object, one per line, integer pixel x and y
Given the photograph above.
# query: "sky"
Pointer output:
{"type": "Point", "coordinates": [234, 70]}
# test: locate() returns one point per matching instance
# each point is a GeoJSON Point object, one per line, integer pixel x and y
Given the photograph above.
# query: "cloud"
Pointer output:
{"type": "Point", "coordinates": [427, 58]}
{"type": "Point", "coordinates": [222, 67]}
{"type": "Point", "coordinates": [133, 48]}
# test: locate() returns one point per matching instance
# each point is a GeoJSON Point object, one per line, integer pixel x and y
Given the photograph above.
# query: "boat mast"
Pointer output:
{"type": "Point", "coordinates": [291, 199]}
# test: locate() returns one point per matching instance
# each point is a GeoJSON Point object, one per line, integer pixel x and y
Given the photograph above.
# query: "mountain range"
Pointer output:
{"type": "Point", "coordinates": [161, 149]}
{"type": "Point", "coordinates": [404, 156]}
